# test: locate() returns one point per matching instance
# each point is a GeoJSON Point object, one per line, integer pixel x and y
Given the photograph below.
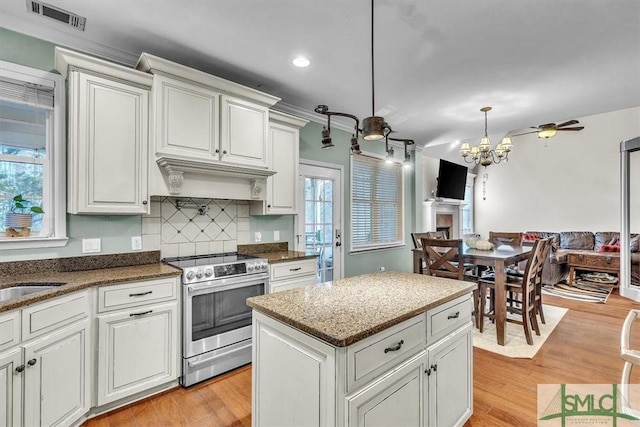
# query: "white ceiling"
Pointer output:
{"type": "Point", "coordinates": [437, 61]}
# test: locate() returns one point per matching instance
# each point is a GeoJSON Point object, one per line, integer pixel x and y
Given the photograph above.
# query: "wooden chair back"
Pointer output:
{"type": "Point", "coordinates": [533, 271]}
{"type": "Point", "coordinates": [440, 256]}
{"type": "Point", "coordinates": [499, 238]}
{"type": "Point", "coordinates": [426, 235]}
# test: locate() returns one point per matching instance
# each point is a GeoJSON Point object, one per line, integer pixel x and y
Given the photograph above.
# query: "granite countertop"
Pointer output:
{"type": "Point", "coordinates": [77, 280]}
{"type": "Point", "coordinates": [284, 256]}
{"type": "Point", "coordinates": [345, 311]}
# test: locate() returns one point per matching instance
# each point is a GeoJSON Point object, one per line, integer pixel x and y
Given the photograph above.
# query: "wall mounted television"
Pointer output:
{"type": "Point", "coordinates": [452, 179]}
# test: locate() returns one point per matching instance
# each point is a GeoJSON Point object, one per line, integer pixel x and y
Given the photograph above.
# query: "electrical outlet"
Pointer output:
{"type": "Point", "coordinates": [276, 235]}
{"type": "Point", "coordinates": [257, 237]}
{"type": "Point", "coordinates": [136, 243]}
{"type": "Point", "coordinates": [382, 268]}
{"type": "Point", "coordinates": [90, 246]}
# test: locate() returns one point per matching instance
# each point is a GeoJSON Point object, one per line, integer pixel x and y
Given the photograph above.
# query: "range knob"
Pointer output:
{"type": "Point", "coordinates": [199, 274]}
{"type": "Point", "coordinates": [190, 275]}
{"type": "Point", "coordinates": [250, 267]}
{"type": "Point", "coordinates": [208, 272]}
{"type": "Point", "coordinates": [264, 265]}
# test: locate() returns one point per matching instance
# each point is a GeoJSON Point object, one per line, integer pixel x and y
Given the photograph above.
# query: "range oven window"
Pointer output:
{"type": "Point", "coordinates": [222, 311]}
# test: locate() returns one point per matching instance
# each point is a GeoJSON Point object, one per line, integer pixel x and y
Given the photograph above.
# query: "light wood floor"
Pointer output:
{"type": "Point", "coordinates": [584, 348]}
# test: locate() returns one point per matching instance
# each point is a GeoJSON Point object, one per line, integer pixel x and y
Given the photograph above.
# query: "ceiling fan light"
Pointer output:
{"type": "Point", "coordinates": [373, 128]}
{"type": "Point", "coordinates": [546, 133]}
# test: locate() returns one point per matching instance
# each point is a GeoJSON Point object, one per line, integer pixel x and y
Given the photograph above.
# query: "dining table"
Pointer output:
{"type": "Point", "coordinates": [499, 258]}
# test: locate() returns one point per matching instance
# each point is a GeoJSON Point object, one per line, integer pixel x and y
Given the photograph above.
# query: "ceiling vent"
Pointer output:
{"type": "Point", "coordinates": [56, 13]}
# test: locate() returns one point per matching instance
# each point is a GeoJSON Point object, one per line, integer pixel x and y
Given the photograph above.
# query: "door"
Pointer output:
{"type": "Point", "coordinates": [137, 350]}
{"type": "Point", "coordinates": [11, 369]}
{"type": "Point", "coordinates": [450, 380]}
{"type": "Point", "coordinates": [395, 400]}
{"type": "Point", "coordinates": [630, 223]}
{"type": "Point", "coordinates": [320, 225]}
{"type": "Point", "coordinates": [57, 377]}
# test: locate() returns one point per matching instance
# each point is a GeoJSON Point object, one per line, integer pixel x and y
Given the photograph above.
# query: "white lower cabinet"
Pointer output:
{"type": "Point", "coordinates": [293, 274]}
{"type": "Point", "coordinates": [397, 377]}
{"type": "Point", "coordinates": [138, 345]}
{"type": "Point", "coordinates": [137, 350]}
{"type": "Point", "coordinates": [46, 379]}
{"type": "Point", "coordinates": [57, 377]}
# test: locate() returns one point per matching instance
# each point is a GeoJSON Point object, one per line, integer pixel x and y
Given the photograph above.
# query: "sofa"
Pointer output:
{"type": "Point", "coordinates": [556, 267]}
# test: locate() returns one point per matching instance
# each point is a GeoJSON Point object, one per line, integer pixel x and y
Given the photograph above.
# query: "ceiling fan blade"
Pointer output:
{"type": "Point", "coordinates": [568, 123]}
{"type": "Point", "coordinates": [547, 126]}
{"type": "Point", "coordinates": [576, 128]}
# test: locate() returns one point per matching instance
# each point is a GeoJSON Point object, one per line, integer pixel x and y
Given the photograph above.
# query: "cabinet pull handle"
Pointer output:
{"type": "Point", "coordinates": [434, 368]}
{"type": "Point", "coordinates": [140, 314]}
{"type": "Point", "coordinates": [395, 347]}
{"type": "Point", "coordinates": [32, 362]}
{"type": "Point", "coordinates": [454, 316]}
{"type": "Point", "coordinates": [20, 368]}
{"type": "Point", "coordinates": [141, 294]}
{"type": "Point", "coordinates": [295, 269]}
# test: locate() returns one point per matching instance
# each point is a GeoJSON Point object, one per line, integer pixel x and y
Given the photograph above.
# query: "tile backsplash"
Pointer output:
{"type": "Point", "coordinates": [190, 226]}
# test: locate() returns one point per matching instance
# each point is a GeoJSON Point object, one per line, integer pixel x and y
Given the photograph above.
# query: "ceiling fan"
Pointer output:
{"type": "Point", "coordinates": [548, 130]}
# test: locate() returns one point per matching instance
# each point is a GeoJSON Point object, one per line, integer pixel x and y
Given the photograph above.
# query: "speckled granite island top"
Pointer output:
{"type": "Point", "coordinates": [345, 311]}
{"type": "Point", "coordinates": [77, 280]}
{"type": "Point", "coordinates": [284, 256]}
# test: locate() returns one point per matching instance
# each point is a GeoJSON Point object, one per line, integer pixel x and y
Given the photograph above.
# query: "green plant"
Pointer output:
{"type": "Point", "coordinates": [23, 206]}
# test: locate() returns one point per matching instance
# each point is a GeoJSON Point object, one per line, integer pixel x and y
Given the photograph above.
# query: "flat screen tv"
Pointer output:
{"type": "Point", "coordinates": [452, 179]}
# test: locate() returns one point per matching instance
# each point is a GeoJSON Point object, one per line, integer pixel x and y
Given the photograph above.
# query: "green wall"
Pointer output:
{"type": "Point", "coordinates": [391, 259]}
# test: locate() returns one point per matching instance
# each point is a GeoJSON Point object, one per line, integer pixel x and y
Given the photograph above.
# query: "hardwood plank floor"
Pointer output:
{"type": "Point", "coordinates": [584, 348]}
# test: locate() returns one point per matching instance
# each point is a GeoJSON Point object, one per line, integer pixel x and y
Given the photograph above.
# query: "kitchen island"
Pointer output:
{"type": "Point", "coordinates": [387, 348]}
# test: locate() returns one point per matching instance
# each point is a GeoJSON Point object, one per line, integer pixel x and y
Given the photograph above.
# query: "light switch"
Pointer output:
{"type": "Point", "coordinates": [276, 235]}
{"type": "Point", "coordinates": [90, 246]}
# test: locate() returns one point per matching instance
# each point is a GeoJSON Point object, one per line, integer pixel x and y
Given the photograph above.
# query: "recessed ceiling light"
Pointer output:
{"type": "Point", "coordinates": [301, 62]}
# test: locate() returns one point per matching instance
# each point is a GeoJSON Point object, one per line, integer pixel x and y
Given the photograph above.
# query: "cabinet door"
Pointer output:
{"type": "Point", "coordinates": [396, 399]}
{"type": "Point", "coordinates": [186, 119]}
{"type": "Point", "coordinates": [11, 388]}
{"type": "Point", "coordinates": [57, 377]}
{"type": "Point", "coordinates": [244, 130]}
{"type": "Point", "coordinates": [451, 380]}
{"type": "Point", "coordinates": [109, 155]}
{"type": "Point", "coordinates": [138, 349]}
{"type": "Point", "coordinates": [282, 187]}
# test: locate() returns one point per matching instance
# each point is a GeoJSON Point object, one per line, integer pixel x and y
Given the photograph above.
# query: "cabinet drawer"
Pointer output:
{"type": "Point", "coordinates": [448, 317]}
{"type": "Point", "coordinates": [133, 294]}
{"type": "Point", "coordinates": [286, 270]}
{"type": "Point", "coordinates": [370, 357]}
{"type": "Point", "coordinates": [9, 330]}
{"type": "Point", "coordinates": [298, 282]}
{"type": "Point", "coordinates": [597, 261]}
{"type": "Point", "coordinates": [53, 314]}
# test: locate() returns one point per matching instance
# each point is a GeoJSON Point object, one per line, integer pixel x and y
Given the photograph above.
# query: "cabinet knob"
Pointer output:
{"type": "Point", "coordinates": [224, 151]}
{"type": "Point", "coordinates": [144, 202]}
{"type": "Point", "coordinates": [217, 150]}
{"type": "Point", "coordinates": [269, 206]}
{"type": "Point", "coordinates": [32, 362]}
{"type": "Point", "coordinates": [20, 368]}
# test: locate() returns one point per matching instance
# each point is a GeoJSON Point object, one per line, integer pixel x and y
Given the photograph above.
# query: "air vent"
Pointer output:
{"type": "Point", "coordinates": [56, 13]}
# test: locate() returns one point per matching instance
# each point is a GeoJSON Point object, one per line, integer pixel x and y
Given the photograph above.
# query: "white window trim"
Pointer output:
{"type": "Point", "coordinates": [376, 247]}
{"type": "Point", "coordinates": [56, 187]}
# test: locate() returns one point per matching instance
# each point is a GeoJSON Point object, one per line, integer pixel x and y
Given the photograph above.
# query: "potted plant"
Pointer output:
{"type": "Point", "coordinates": [20, 213]}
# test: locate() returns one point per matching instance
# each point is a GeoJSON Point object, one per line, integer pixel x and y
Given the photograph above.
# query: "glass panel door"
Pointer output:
{"type": "Point", "coordinates": [630, 221]}
{"type": "Point", "coordinates": [320, 231]}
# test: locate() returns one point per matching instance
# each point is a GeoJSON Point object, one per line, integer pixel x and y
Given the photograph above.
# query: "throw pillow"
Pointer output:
{"type": "Point", "coordinates": [609, 248]}
{"type": "Point", "coordinates": [530, 237]}
{"type": "Point", "coordinates": [634, 244]}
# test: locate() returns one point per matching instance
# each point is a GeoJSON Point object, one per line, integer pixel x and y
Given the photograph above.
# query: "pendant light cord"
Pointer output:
{"type": "Point", "coordinates": [373, 88]}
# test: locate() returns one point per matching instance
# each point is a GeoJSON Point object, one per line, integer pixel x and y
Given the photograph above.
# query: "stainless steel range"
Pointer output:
{"type": "Point", "coordinates": [216, 321]}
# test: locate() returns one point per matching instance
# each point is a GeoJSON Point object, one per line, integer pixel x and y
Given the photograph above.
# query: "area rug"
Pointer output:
{"type": "Point", "coordinates": [580, 291]}
{"type": "Point", "coordinates": [515, 343]}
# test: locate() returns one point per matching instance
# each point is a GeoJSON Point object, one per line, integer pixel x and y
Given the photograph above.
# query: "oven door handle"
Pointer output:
{"type": "Point", "coordinates": [227, 284]}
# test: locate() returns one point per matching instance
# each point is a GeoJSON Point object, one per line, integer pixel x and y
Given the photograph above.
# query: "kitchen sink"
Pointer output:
{"type": "Point", "coordinates": [21, 289]}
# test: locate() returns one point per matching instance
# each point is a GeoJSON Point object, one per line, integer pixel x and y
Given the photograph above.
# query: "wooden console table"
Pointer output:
{"type": "Point", "coordinates": [608, 262]}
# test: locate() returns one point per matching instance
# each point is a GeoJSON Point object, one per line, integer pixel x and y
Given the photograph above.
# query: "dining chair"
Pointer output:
{"type": "Point", "coordinates": [416, 239]}
{"type": "Point", "coordinates": [522, 289]}
{"type": "Point", "coordinates": [501, 238]}
{"type": "Point", "coordinates": [440, 260]}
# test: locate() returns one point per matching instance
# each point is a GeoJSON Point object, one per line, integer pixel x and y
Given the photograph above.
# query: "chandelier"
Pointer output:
{"type": "Point", "coordinates": [373, 127]}
{"type": "Point", "coordinates": [482, 153]}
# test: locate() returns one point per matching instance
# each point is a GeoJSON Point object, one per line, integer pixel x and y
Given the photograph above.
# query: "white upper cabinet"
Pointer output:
{"type": "Point", "coordinates": [186, 119]}
{"type": "Point", "coordinates": [204, 125]}
{"type": "Point", "coordinates": [108, 135]}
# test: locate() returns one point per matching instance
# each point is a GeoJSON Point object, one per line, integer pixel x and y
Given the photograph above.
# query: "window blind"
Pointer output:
{"type": "Point", "coordinates": [376, 203]}
{"type": "Point", "coordinates": [26, 93]}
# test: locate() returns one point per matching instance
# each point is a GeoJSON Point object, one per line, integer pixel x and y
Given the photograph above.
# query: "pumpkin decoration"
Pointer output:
{"type": "Point", "coordinates": [484, 245]}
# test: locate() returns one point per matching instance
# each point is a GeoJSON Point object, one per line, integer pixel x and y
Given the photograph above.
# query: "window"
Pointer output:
{"type": "Point", "coordinates": [467, 207]}
{"type": "Point", "coordinates": [32, 152]}
{"type": "Point", "coordinates": [377, 196]}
